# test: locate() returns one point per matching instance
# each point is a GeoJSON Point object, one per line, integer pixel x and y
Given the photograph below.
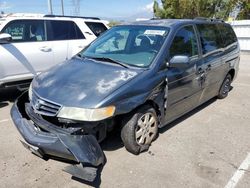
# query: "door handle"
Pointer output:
{"type": "Point", "coordinates": [45, 49]}
{"type": "Point", "coordinates": [208, 67]}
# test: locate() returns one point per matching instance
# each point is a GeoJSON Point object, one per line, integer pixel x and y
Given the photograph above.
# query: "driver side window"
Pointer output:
{"type": "Point", "coordinates": [184, 43]}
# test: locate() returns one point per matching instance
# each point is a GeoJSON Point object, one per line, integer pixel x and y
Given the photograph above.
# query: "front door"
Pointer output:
{"type": "Point", "coordinates": [184, 84]}
{"type": "Point", "coordinates": [29, 51]}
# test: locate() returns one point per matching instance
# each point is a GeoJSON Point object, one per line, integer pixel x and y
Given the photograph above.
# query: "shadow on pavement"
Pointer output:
{"type": "Point", "coordinates": [8, 95]}
{"type": "Point", "coordinates": [186, 116]}
{"type": "Point", "coordinates": [96, 183]}
{"type": "Point", "coordinates": [113, 141]}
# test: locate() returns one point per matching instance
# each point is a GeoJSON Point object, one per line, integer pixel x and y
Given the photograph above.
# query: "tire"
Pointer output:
{"type": "Point", "coordinates": [143, 122]}
{"type": "Point", "coordinates": [225, 87]}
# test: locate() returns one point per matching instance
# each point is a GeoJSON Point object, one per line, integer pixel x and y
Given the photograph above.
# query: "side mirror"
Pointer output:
{"type": "Point", "coordinates": [5, 38]}
{"type": "Point", "coordinates": [179, 61]}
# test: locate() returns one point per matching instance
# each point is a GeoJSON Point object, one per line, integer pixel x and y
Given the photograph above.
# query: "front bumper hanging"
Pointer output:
{"type": "Point", "coordinates": [54, 142]}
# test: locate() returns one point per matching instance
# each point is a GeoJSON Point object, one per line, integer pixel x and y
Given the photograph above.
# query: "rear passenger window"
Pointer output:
{"type": "Point", "coordinates": [228, 34]}
{"type": "Point", "coordinates": [26, 30]}
{"type": "Point", "coordinates": [184, 43]}
{"type": "Point", "coordinates": [210, 37]}
{"type": "Point", "coordinates": [96, 28]}
{"type": "Point", "coordinates": [64, 30]}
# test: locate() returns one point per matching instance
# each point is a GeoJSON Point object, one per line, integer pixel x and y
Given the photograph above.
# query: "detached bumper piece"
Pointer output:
{"type": "Point", "coordinates": [49, 141]}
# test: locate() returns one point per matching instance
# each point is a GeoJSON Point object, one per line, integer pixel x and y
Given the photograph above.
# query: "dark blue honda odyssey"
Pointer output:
{"type": "Point", "coordinates": [138, 76]}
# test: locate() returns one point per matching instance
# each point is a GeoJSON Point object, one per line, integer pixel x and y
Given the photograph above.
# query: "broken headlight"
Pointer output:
{"type": "Point", "coordinates": [83, 114]}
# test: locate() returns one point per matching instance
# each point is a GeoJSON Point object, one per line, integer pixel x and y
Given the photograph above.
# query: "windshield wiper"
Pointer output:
{"type": "Point", "coordinates": [107, 59]}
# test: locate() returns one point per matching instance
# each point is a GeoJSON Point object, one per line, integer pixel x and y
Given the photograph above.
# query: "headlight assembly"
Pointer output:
{"type": "Point", "coordinates": [83, 114]}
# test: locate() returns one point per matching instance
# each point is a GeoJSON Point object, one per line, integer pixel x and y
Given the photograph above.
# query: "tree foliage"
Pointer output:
{"type": "Point", "coordinates": [245, 13]}
{"type": "Point", "coordinates": [113, 23]}
{"type": "Point", "coordinates": [200, 8]}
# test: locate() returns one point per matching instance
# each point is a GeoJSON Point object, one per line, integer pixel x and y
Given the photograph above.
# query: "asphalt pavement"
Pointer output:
{"type": "Point", "coordinates": [208, 147]}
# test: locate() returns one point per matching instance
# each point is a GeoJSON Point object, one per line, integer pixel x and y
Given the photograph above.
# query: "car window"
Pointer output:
{"type": "Point", "coordinates": [228, 34]}
{"type": "Point", "coordinates": [96, 28]}
{"type": "Point", "coordinates": [115, 43]}
{"type": "Point", "coordinates": [184, 43]}
{"type": "Point", "coordinates": [26, 30]}
{"type": "Point", "coordinates": [132, 45]}
{"type": "Point", "coordinates": [64, 30]}
{"type": "Point", "coordinates": [210, 37]}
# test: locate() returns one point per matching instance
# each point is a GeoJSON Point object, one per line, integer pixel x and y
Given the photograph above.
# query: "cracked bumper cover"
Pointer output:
{"type": "Point", "coordinates": [82, 149]}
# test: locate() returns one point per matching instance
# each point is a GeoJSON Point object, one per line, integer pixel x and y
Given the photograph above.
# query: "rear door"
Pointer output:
{"type": "Point", "coordinates": [212, 52]}
{"type": "Point", "coordinates": [77, 40]}
{"type": "Point", "coordinates": [58, 36]}
{"type": "Point", "coordinates": [66, 38]}
{"type": "Point", "coordinates": [28, 52]}
{"type": "Point", "coordinates": [183, 83]}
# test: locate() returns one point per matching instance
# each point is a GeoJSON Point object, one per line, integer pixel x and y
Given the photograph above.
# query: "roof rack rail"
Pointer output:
{"type": "Point", "coordinates": [52, 16]}
{"type": "Point", "coordinates": [209, 19]}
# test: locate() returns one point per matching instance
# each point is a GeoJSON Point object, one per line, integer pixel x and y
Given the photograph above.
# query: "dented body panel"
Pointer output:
{"type": "Point", "coordinates": [89, 84]}
{"type": "Point", "coordinates": [51, 141]}
{"type": "Point", "coordinates": [76, 90]}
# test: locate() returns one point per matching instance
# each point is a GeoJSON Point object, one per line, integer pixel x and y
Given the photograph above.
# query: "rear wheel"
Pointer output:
{"type": "Point", "coordinates": [140, 129]}
{"type": "Point", "coordinates": [225, 87]}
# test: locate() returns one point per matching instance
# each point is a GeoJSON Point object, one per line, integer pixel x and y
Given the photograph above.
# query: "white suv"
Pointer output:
{"type": "Point", "coordinates": [29, 45]}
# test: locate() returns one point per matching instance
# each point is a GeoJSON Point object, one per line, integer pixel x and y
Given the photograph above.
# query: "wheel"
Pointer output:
{"type": "Point", "coordinates": [225, 87]}
{"type": "Point", "coordinates": [140, 129]}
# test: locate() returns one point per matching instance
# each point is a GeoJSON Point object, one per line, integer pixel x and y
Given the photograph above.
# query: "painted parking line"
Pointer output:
{"type": "Point", "coordinates": [239, 173]}
{"type": "Point", "coordinates": [4, 120]}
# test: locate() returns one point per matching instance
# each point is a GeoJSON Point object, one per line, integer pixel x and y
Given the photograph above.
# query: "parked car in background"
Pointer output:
{"type": "Point", "coordinates": [139, 76]}
{"type": "Point", "coordinates": [30, 45]}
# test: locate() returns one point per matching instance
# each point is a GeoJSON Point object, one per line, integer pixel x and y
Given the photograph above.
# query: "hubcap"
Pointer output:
{"type": "Point", "coordinates": [146, 129]}
{"type": "Point", "coordinates": [226, 87]}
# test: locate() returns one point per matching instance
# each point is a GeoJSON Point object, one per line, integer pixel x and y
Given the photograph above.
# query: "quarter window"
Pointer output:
{"type": "Point", "coordinates": [210, 37]}
{"type": "Point", "coordinates": [96, 28]}
{"type": "Point", "coordinates": [184, 43]}
{"type": "Point", "coordinates": [228, 34]}
{"type": "Point", "coordinates": [26, 30]}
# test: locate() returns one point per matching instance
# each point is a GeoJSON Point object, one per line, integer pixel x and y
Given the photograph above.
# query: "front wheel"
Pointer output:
{"type": "Point", "coordinates": [140, 129]}
{"type": "Point", "coordinates": [225, 87]}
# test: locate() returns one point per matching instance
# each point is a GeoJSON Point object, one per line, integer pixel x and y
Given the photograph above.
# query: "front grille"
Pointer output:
{"type": "Point", "coordinates": [44, 107]}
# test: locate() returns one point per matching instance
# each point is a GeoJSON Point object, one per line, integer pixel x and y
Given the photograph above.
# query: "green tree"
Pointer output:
{"type": "Point", "coordinates": [199, 8]}
{"type": "Point", "coordinates": [113, 23]}
{"type": "Point", "coordinates": [245, 12]}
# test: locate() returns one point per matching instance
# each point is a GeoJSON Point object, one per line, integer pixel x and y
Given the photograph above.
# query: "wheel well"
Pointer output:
{"type": "Point", "coordinates": [154, 105]}
{"type": "Point", "coordinates": [232, 73]}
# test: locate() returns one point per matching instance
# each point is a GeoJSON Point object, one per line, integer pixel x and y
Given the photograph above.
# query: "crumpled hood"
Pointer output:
{"type": "Point", "coordinates": [81, 83]}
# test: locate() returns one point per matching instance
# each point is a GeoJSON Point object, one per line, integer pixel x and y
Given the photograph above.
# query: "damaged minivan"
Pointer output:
{"type": "Point", "coordinates": [138, 76]}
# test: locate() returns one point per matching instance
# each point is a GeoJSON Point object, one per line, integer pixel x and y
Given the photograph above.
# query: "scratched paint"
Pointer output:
{"type": "Point", "coordinates": [104, 86]}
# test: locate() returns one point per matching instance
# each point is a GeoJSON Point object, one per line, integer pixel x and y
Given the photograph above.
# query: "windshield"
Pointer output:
{"type": "Point", "coordinates": [131, 45]}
